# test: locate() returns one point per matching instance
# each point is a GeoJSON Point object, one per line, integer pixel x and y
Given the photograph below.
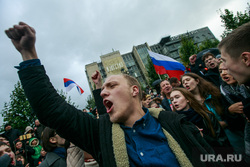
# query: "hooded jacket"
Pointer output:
{"type": "Point", "coordinates": [36, 147]}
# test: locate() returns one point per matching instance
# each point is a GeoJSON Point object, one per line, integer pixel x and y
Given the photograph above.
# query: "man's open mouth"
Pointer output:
{"type": "Point", "coordinates": [108, 104]}
{"type": "Point", "coordinates": [212, 64]}
{"type": "Point", "coordinates": [226, 79]}
{"type": "Point", "coordinates": [12, 161]}
{"type": "Point", "coordinates": [167, 89]}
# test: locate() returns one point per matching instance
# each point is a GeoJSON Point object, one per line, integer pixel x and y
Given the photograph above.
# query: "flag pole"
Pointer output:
{"type": "Point", "coordinates": [159, 75]}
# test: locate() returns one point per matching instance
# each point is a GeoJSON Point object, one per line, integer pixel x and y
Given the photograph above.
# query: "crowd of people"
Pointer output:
{"type": "Point", "coordinates": [26, 148]}
{"type": "Point", "coordinates": [31, 148]}
{"type": "Point", "coordinates": [205, 113]}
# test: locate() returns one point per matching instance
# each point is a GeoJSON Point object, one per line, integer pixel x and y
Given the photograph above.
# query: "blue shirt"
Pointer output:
{"type": "Point", "coordinates": [147, 145]}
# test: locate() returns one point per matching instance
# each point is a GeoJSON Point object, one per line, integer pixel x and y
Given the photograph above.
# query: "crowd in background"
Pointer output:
{"type": "Point", "coordinates": [30, 148]}
{"type": "Point", "coordinates": [210, 102]}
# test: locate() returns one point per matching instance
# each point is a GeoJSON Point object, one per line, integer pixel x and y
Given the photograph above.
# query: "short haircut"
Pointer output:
{"type": "Point", "coordinates": [133, 81]}
{"type": "Point", "coordinates": [173, 80]}
{"type": "Point", "coordinates": [237, 41]}
{"type": "Point", "coordinates": [207, 55]}
{"type": "Point", "coordinates": [46, 135]}
{"type": "Point", "coordinates": [163, 81]}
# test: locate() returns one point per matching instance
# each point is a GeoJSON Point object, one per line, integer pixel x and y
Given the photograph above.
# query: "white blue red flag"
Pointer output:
{"type": "Point", "coordinates": [166, 65]}
{"type": "Point", "coordinates": [69, 84]}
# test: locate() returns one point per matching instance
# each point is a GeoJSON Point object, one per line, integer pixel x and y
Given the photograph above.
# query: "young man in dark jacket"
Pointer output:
{"type": "Point", "coordinates": [212, 75]}
{"type": "Point", "coordinates": [54, 145]}
{"type": "Point", "coordinates": [11, 134]}
{"type": "Point", "coordinates": [127, 135]}
{"type": "Point", "coordinates": [38, 129]}
{"type": "Point", "coordinates": [235, 54]}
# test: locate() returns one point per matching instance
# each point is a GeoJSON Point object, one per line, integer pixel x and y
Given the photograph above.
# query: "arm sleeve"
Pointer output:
{"type": "Point", "coordinates": [53, 111]}
{"type": "Point", "coordinates": [99, 102]}
{"type": "Point", "coordinates": [5, 160]}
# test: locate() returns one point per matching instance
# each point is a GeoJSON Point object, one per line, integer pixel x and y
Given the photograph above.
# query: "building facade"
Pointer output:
{"type": "Point", "coordinates": [135, 62]}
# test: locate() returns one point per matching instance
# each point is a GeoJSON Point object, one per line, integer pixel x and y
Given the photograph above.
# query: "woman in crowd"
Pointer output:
{"type": "Point", "coordinates": [146, 99]}
{"type": "Point", "coordinates": [206, 94]}
{"type": "Point", "coordinates": [233, 95]}
{"type": "Point", "coordinates": [184, 103]}
{"type": "Point", "coordinates": [209, 96]}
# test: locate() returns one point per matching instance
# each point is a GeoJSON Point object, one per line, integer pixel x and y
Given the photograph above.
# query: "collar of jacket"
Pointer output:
{"type": "Point", "coordinates": [120, 150]}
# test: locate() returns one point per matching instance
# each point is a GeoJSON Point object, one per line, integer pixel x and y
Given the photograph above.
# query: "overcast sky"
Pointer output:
{"type": "Point", "coordinates": [71, 34]}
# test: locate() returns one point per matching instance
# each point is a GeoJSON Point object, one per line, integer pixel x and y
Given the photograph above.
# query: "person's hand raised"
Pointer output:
{"type": "Point", "coordinates": [23, 38]}
{"type": "Point", "coordinates": [96, 78]}
{"type": "Point", "coordinates": [192, 59]}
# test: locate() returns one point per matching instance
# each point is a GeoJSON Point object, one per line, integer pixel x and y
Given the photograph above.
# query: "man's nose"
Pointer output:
{"type": "Point", "coordinates": [104, 93]}
{"type": "Point", "coordinates": [224, 72]}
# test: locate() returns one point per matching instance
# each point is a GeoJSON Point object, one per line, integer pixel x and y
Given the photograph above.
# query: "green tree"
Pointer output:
{"type": "Point", "coordinates": [18, 111]}
{"type": "Point", "coordinates": [187, 49]}
{"type": "Point", "coordinates": [208, 43]}
{"type": "Point", "coordinates": [90, 102]}
{"type": "Point", "coordinates": [231, 21]}
{"type": "Point", "coordinates": [152, 75]}
{"type": "Point", "coordinates": [66, 98]}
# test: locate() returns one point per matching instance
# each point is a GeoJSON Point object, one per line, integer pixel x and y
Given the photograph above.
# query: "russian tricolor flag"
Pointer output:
{"type": "Point", "coordinates": [166, 65]}
{"type": "Point", "coordinates": [69, 84]}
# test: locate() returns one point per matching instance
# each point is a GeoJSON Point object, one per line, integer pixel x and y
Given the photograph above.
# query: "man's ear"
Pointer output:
{"type": "Point", "coordinates": [135, 90]}
{"type": "Point", "coordinates": [52, 140]}
{"type": "Point", "coordinates": [246, 58]}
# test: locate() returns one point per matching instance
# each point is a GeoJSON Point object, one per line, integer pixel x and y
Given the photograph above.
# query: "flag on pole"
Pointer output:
{"type": "Point", "coordinates": [69, 84]}
{"type": "Point", "coordinates": [166, 65]}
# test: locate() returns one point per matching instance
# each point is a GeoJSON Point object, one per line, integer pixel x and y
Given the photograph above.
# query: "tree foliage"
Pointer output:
{"type": "Point", "coordinates": [152, 75]}
{"type": "Point", "coordinates": [18, 111]}
{"type": "Point", "coordinates": [66, 98]}
{"type": "Point", "coordinates": [208, 43]}
{"type": "Point", "coordinates": [90, 102]}
{"type": "Point", "coordinates": [231, 21]}
{"type": "Point", "coordinates": [187, 49]}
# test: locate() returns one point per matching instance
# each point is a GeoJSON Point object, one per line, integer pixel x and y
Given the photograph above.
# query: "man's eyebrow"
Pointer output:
{"type": "Point", "coordinates": [104, 85]}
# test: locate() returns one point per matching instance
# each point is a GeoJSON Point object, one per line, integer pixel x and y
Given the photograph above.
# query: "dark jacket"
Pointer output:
{"type": "Point", "coordinates": [98, 102]}
{"type": "Point", "coordinates": [104, 140]}
{"type": "Point", "coordinates": [5, 160]}
{"type": "Point", "coordinates": [53, 160]}
{"type": "Point", "coordinates": [233, 94]}
{"type": "Point", "coordinates": [39, 130]}
{"type": "Point", "coordinates": [12, 135]}
{"type": "Point", "coordinates": [219, 140]}
{"type": "Point", "coordinates": [213, 76]}
{"type": "Point", "coordinates": [165, 104]}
